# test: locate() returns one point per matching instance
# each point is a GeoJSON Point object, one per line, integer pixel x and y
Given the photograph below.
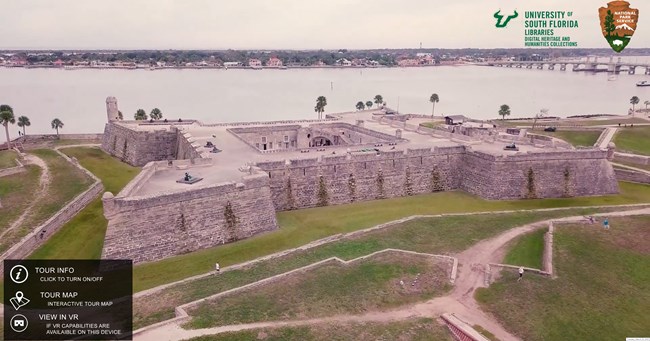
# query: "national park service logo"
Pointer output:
{"type": "Point", "coordinates": [618, 23]}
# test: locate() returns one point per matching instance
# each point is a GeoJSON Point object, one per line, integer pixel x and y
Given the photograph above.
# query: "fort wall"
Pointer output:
{"type": "Point", "coordinates": [333, 180]}
{"type": "Point", "coordinates": [538, 175]}
{"type": "Point", "coordinates": [138, 147]}
{"type": "Point", "coordinates": [153, 227]}
{"type": "Point", "coordinates": [632, 175]}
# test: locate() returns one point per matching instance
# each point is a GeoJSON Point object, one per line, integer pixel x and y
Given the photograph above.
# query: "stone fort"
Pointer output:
{"type": "Point", "coordinates": [251, 170]}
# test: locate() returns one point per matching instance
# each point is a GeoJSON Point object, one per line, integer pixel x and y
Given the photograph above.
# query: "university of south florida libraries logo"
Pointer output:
{"type": "Point", "coordinates": [502, 21]}
{"type": "Point", "coordinates": [618, 23]}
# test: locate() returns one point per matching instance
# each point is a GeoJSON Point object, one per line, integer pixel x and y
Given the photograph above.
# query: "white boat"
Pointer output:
{"type": "Point", "coordinates": [643, 83]}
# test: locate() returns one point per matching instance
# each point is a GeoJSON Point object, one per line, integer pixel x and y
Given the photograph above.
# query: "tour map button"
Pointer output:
{"type": "Point", "coordinates": [68, 299]}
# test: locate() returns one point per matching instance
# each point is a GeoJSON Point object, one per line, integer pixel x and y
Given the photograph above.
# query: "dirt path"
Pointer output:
{"type": "Point", "coordinates": [461, 302]}
{"type": "Point", "coordinates": [44, 182]}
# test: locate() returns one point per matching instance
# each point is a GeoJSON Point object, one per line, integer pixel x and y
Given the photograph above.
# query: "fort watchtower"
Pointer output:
{"type": "Point", "coordinates": [111, 109]}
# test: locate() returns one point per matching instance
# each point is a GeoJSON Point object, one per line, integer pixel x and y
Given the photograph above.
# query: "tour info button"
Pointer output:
{"type": "Point", "coordinates": [68, 299]}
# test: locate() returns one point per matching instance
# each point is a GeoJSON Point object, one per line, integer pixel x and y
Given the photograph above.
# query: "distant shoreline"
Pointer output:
{"type": "Point", "coordinates": [196, 67]}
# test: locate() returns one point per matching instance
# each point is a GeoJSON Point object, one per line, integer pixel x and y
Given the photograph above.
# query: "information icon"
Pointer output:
{"type": "Point", "coordinates": [19, 274]}
{"type": "Point", "coordinates": [18, 323]}
{"type": "Point", "coordinates": [19, 300]}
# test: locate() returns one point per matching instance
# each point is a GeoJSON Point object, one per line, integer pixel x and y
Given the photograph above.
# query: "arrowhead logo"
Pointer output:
{"type": "Point", "coordinates": [618, 23]}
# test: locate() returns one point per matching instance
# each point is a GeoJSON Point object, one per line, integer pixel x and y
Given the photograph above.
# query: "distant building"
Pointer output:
{"type": "Point", "coordinates": [320, 63]}
{"type": "Point", "coordinates": [455, 119]}
{"type": "Point", "coordinates": [343, 62]}
{"type": "Point", "coordinates": [58, 63]}
{"type": "Point", "coordinates": [231, 64]}
{"type": "Point", "coordinates": [427, 60]}
{"type": "Point", "coordinates": [254, 63]}
{"type": "Point", "coordinates": [274, 62]}
{"type": "Point", "coordinates": [408, 62]}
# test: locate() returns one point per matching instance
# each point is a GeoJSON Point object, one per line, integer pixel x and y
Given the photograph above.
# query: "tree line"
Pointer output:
{"type": "Point", "coordinates": [8, 117]}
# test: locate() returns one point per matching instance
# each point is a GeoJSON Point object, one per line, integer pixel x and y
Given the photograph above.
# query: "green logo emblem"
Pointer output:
{"type": "Point", "coordinates": [503, 23]}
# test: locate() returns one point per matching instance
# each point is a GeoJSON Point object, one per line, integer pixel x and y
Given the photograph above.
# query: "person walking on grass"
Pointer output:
{"type": "Point", "coordinates": [606, 223]}
{"type": "Point", "coordinates": [217, 268]}
{"type": "Point", "coordinates": [521, 273]}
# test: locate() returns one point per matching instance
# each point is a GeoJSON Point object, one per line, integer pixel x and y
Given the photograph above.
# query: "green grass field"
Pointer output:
{"type": "Point", "coordinates": [408, 330]}
{"type": "Point", "coordinates": [441, 235]}
{"type": "Point", "coordinates": [17, 192]}
{"type": "Point", "coordinates": [432, 124]}
{"type": "Point", "coordinates": [369, 285]}
{"type": "Point", "coordinates": [68, 142]}
{"type": "Point", "coordinates": [66, 182]}
{"type": "Point", "coordinates": [303, 226]}
{"type": "Point", "coordinates": [8, 159]}
{"type": "Point", "coordinates": [83, 236]}
{"type": "Point", "coordinates": [577, 138]}
{"type": "Point", "coordinates": [633, 140]}
{"type": "Point", "coordinates": [572, 122]}
{"type": "Point", "coordinates": [527, 250]}
{"type": "Point", "coordinates": [602, 291]}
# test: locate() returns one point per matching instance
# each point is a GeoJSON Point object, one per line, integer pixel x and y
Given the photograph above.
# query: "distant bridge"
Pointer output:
{"type": "Point", "coordinates": [589, 65]}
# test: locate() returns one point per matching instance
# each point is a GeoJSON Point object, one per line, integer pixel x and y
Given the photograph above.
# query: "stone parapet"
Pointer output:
{"type": "Point", "coordinates": [181, 222]}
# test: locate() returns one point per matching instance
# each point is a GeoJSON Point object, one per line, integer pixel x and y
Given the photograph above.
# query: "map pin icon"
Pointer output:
{"type": "Point", "coordinates": [19, 296]}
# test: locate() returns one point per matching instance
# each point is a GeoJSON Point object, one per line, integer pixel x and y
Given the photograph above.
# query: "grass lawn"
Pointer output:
{"type": "Point", "coordinates": [66, 182]}
{"type": "Point", "coordinates": [16, 192]}
{"type": "Point", "coordinates": [440, 235]}
{"type": "Point", "coordinates": [633, 140]}
{"type": "Point", "coordinates": [408, 330]}
{"type": "Point", "coordinates": [572, 122]}
{"type": "Point", "coordinates": [527, 250]}
{"type": "Point", "coordinates": [602, 291]}
{"type": "Point", "coordinates": [368, 285]}
{"type": "Point", "coordinates": [66, 142]}
{"type": "Point", "coordinates": [83, 236]}
{"type": "Point", "coordinates": [432, 124]}
{"type": "Point", "coordinates": [577, 138]}
{"type": "Point", "coordinates": [303, 226]}
{"type": "Point", "coordinates": [8, 159]}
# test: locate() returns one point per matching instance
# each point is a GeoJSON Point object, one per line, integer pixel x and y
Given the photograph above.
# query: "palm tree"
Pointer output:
{"type": "Point", "coordinates": [6, 117]}
{"type": "Point", "coordinates": [23, 121]}
{"type": "Point", "coordinates": [56, 124]}
{"type": "Point", "coordinates": [360, 105]}
{"type": "Point", "coordinates": [504, 111]}
{"type": "Point", "coordinates": [434, 99]}
{"type": "Point", "coordinates": [140, 115]}
{"type": "Point", "coordinates": [646, 104]}
{"type": "Point", "coordinates": [156, 114]}
{"type": "Point", "coordinates": [369, 104]}
{"type": "Point", "coordinates": [321, 102]}
{"type": "Point", "coordinates": [634, 101]}
{"type": "Point", "coordinates": [379, 100]}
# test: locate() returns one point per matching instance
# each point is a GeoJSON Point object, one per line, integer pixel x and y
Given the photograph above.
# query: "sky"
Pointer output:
{"type": "Point", "coordinates": [288, 24]}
